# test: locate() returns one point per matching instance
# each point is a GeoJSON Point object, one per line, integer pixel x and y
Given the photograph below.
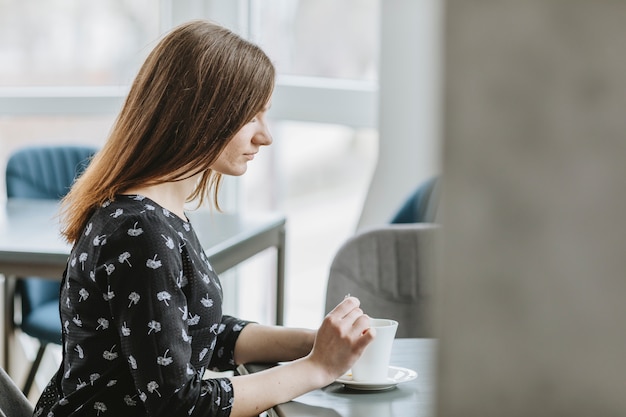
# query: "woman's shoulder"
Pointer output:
{"type": "Point", "coordinates": [134, 215]}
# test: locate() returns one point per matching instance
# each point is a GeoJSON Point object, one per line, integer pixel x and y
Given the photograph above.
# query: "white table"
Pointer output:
{"type": "Point", "coordinates": [30, 245]}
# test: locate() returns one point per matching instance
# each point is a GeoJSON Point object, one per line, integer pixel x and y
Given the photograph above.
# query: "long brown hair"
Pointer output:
{"type": "Point", "coordinates": [196, 89]}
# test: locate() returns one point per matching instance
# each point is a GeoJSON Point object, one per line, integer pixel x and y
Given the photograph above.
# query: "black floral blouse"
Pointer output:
{"type": "Point", "coordinates": [141, 310]}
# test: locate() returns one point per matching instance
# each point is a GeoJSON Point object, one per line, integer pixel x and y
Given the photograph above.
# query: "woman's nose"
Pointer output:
{"type": "Point", "coordinates": [263, 137]}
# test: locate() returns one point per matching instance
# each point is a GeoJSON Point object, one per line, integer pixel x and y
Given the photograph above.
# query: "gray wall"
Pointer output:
{"type": "Point", "coordinates": [532, 306]}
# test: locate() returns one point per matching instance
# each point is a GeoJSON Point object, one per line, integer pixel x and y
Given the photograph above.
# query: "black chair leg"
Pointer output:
{"type": "Point", "coordinates": [33, 369]}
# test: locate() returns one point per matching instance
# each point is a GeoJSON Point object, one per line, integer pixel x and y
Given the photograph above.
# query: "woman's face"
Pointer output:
{"type": "Point", "coordinates": [244, 145]}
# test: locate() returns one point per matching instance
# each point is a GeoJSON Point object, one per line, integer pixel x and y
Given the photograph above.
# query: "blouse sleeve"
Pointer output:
{"type": "Point", "coordinates": [149, 307]}
{"type": "Point", "coordinates": [224, 357]}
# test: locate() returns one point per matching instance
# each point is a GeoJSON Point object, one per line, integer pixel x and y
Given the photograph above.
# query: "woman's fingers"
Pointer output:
{"type": "Point", "coordinates": [345, 307]}
{"type": "Point", "coordinates": [351, 319]}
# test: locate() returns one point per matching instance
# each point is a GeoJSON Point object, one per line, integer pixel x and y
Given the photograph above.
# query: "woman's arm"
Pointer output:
{"type": "Point", "coordinates": [338, 344]}
{"type": "Point", "coordinates": [259, 343]}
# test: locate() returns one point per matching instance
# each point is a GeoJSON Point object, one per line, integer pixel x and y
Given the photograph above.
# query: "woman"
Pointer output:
{"type": "Point", "coordinates": [140, 302]}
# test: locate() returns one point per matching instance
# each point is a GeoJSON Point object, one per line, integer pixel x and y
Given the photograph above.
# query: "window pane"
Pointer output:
{"type": "Point", "coordinates": [74, 42]}
{"type": "Point", "coordinates": [318, 176]}
{"type": "Point", "coordinates": [323, 38]}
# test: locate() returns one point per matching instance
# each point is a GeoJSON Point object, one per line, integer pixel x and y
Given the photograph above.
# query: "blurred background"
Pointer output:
{"type": "Point", "coordinates": [354, 115]}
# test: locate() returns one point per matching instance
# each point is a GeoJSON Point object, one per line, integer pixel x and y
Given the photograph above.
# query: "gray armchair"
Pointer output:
{"type": "Point", "coordinates": [392, 270]}
{"type": "Point", "coordinates": [13, 403]}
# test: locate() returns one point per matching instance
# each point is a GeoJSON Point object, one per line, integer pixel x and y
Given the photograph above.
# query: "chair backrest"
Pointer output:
{"type": "Point", "coordinates": [421, 206]}
{"type": "Point", "coordinates": [13, 403]}
{"type": "Point", "coordinates": [392, 270]}
{"type": "Point", "coordinates": [43, 172]}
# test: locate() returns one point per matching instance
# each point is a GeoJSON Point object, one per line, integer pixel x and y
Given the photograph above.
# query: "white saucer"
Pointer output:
{"type": "Point", "coordinates": [395, 376]}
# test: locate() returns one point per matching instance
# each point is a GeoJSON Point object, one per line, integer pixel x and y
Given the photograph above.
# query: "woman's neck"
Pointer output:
{"type": "Point", "coordinates": [169, 195]}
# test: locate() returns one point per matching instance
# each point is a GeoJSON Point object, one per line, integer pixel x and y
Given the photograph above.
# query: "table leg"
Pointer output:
{"type": "Point", "coordinates": [280, 277]}
{"type": "Point", "coordinates": [7, 334]}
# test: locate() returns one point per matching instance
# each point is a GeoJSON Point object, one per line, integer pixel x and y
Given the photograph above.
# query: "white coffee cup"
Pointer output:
{"type": "Point", "coordinates": [373, 365]}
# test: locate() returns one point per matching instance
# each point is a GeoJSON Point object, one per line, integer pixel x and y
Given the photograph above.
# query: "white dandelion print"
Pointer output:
{"type": "Point", "coordinates": [129, 401]}
{"type": "Point", "coordinates": [154, 326]}
{"type": "Point", "coordinates": [99, 240]}
{"type": "Point", "coordinates": [193, 320]}
{"type": "Point", "coordinates": [109, 268]}
{"type": "Point", "coordinates": [88, 229]}
{"type": "Point", "coordinates": [225, 386]}
{"type": "Point", "coordinates": [185, 311]}
{"type": "Point", "coordinates": [109, 295]}
{"type": "Point", "coordinates": [132, 362]}
{"type": "Point", "coordinates": [135, 231]}
{"type": "Point", "coordinates": [125, 330]}
{"type": "Point", "coordinates": [100, 407]}
{"type": "Point", "coordinates": [164, 296]}
{"type": "Point", "coordinates": [103, 324]}
{"type": "Point", "coordinates": [79, 349]}
{"type": "Point", "coordinates": [117, 213]}
{"type": "Point", "coordinates": [153, 263]}
{"type": "Point", "coordinates": [82, 258]}
{"type": "Point", "coordinates": [109, 354]}
{"type": "Point", "coordinates": [152, 388]}
{"type": "Point", "coordinates": [165, 360]}
{"type": "Point", "coordinates": [206, 301]}
{"type": "Point", "coordinates": [84, 294]}
{"type": "Point", "coordinates": [134, 298]}
{"type": "Point", "coordinates": [182, 280]}
{"type": "Point", "coordinates": [185, 336]}
{"type": "Point", "coordinates": [124, 257]}
{"type": "Point", "coordinates": [169, 242]}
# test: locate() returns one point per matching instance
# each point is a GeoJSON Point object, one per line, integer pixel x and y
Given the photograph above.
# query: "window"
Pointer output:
{"type": "Point", "coordinates": [77, 43]}
{"type": "Point", "coordinates": [319, 38]}
{"type": "Point", "coordinates": [67, 64]}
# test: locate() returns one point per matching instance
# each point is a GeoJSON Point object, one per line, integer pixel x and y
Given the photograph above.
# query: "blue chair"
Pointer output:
{"type": "Point", "coordinates": [421, 206]}
{"type": "Point", "coordinates": [42, 172]}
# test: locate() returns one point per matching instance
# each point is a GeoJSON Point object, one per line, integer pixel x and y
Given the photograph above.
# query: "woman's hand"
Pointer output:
{"type": "Point", "coordinates": [339, 342]}
{"type": "Point", "coordinates": [341, 339]}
